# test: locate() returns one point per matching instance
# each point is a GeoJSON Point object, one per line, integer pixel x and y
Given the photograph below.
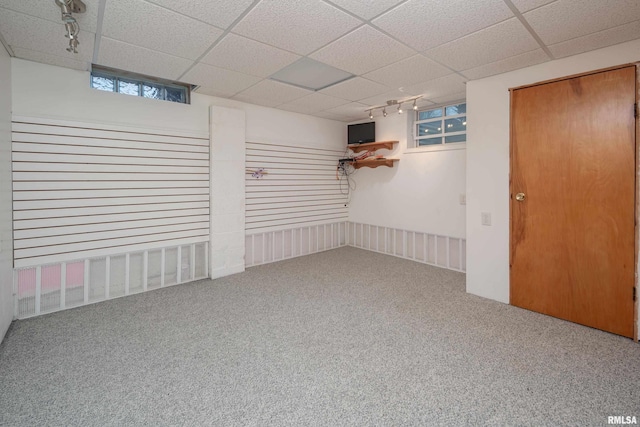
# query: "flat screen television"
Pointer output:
{"type": "Point", "coordinates": [361, 133]}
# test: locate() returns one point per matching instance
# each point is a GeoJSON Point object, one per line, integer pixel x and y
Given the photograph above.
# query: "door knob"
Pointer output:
{"type": "Point", "coordinates": [520, 197]}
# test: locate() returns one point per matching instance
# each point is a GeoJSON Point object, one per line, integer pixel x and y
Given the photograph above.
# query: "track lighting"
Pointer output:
{"type": "Point", "coordinates": [392, 102]}
{"type": "Point", "coordinates": [67, 8]}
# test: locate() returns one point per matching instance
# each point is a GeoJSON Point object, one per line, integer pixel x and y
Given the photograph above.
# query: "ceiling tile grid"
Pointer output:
{"type": "Point", "coordinates": [509, 64]}
{"type": "Point", "coordinates": [125, 56]}
{"type": "Point", "coordinates": [48, 10]}
{"type": "Point", "coordinates": [426, 24]}
{"type": "Point", "coordinates": [41, 35]}
{"type": "Point", "coordinates": [221, 14]}
{"type": "Point", "coordinates": [608, 37]}
{"type": "Point", "coordinates": [219, 79]}
{"type": "Point", "coordinates": [248, 56]}
{"type": "Point", "coordinates": [301, 26]}
{"type": "Point", "coordinates": [366, 9]}
{"type": "Point", "coordinates": [272, 93]}
{"type": "Point", "coordinates": [45, 58]}
{"type": "Point", "coordinates": [567, 19]}
{"type": "Point", "coordinates": [395, 48]}
{"type": "Point", "coordinates": [156, 28]}
{"type": "Point", "coordinates": [355, 89]}
{"type": "Point", "coordinates": [500, 41]}
{"type": "Point", "coordinates": [410, 71]}
{"type": "Point", "coordinates": [362, 50]}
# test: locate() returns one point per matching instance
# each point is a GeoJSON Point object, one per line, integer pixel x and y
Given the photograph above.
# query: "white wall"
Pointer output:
{"type": "Point", "coordinates": [41, 90]}
{"type": "Point", "coordinates": [420, 193]}
{"type": "Point", "coordinates": [488, 161]}
{"type": "Point", "coordinates": [6, 235]}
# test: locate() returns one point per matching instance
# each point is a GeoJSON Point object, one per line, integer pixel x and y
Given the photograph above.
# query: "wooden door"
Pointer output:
{"type": "Point", "coordinates": [573, 235]}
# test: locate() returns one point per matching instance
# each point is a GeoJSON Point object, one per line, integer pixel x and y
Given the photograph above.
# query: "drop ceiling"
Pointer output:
{"type": "Point", "coordinates": [395, 48]}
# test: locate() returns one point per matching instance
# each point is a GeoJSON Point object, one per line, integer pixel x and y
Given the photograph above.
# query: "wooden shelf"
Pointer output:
{"type": "Point", "coordinates": [372, 146]}
{"type": "Point", "coordinates": [373, 163]}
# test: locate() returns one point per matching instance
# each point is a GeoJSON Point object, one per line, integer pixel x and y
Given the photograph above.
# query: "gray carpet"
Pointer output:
{"type": "Point", "coordinates": [344, 337]}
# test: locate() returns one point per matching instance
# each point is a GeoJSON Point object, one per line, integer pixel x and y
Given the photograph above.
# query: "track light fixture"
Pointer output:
{"type": "Point", "coordinates": [392, 102]}
{"type": "Point", "coordinates": [67, 8]}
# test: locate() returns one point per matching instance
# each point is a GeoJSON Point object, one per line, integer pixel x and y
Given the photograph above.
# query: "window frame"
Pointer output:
{"type": "Point", "coordinates": [442, 146]}
{"type": "Point", "coordinates": [141, 81]}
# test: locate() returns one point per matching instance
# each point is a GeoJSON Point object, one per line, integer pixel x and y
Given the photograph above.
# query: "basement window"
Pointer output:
{"type": "Point", "coordinates": [441, 126]}
{"type": "Point", "coordinates": [111, 80]}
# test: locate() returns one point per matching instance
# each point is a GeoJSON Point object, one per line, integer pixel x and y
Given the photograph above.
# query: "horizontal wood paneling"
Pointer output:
{"type": "Point", "coordinates": [299, 189]}
{"type": "Point", "coordinates": [82, 191]}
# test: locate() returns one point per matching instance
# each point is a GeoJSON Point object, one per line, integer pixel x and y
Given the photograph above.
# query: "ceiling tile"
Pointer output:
{"type": "Point", "coordinates": [45, 58]}
{"type": "Point", "coordinates": [526, 5]}
{"type": "Point", "coordinates": [301, 26]}
{"type": "Point", "coordinates": [313, 103]}
{"type": "Point", "coordinates": [221, 14]}
{"type": "Point", "coordinates": [410, 71]}
{"type": "Point", "coordinates": [211, 91]}
{"type": "Point", "coordinates": [567, 19]}
{"type": "Point", "coordinates": [500, 41]}
{"type": "Point", "coordinates": [355, 89]}
{"type": "Point", "coordinates": [597, 40]}
{"type": "Point", "coordinates": [366, 9]}
{"type": "Point", "coordinates": [426, 24]}
{"type": "Point", "coordinates": [151, 26]}
{"type": "Point", "coordinates": [225, 82]}
{"type": "Point", "coordinates": [453, 83]}
{"type": "Point", "coordinates": [271, 93]}
{"type": "Point", "coordinates": [382, 98]}
{"type": "Point", "coordinates": [515, 62]}
{"type": "Point", "coordinates": [446, 99]}
{"type": "Point", "coordinates": [117, 54]}
{"type": "Point", "coordinates": [248, 56]}
{"type": "Point", "coordinates": [332, 116]}
{"type": "Point", "coordinates": [350, 111]}
{"type": "Point", "coordinates": [36, 34]}
{"type": "Point", "coordinates": [49, 11]}
{"type": "Point", "coordinates": [363, 50]}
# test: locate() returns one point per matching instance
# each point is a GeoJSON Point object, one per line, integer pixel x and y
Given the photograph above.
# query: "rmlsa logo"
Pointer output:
{"type": "Point", "coordinates": [621, 419]}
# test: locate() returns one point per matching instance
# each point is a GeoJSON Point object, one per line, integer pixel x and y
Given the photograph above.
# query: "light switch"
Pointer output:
{"type": "Point", "coordinates": [463, 199]}
{"type": "Point", "coordinates": [485, 217]}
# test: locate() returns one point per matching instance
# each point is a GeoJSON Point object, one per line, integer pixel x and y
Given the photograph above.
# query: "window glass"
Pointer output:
{"type": "Point", "coordinates": [129, 88]}
{"type": "Point", "coordinates": [455, 138]}
{"type": "Point", "coordinates": [151, 91]}
{"type": "Point", "coordinates": [429, 128]}
{"type": "Point", "coordinates": [458, 124]}
{"type": "Point", "coordinates": [430, 141]}
{"type": "Point", "coordinates": [131, 84]}
{"type": "Point", "coordinates": [453, 110]}
{"type": "Point", "coordinates": [103, 83]}
{"type": "Point", "coordinates": [429, 114]}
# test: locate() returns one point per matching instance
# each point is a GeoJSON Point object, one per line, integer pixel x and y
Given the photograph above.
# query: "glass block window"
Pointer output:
{"type": "Point", "coordinates": [132, 84]}
{"type": "Point", "coordinates": [441, 126]}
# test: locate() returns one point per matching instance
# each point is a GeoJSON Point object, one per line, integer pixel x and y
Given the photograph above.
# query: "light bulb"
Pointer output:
{"type": "Point", "coordinates": [384, 112]}
{"type": "Point", "coordinates": [400, 109]}
{"type": "Point", "coordinates": [415, 107]}
{"type": "Point", "coordinates": [371, 114]}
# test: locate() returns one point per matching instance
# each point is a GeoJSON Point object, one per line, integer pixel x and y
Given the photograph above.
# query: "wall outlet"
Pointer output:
{"type": "Point", "coordinates": [463, 199]}
{"type": "Point", "coordinates": [485, 218]}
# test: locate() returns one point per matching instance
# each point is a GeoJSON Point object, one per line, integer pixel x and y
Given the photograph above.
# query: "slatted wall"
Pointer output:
{"type": "Point", "coordinates": [441, 251]}
{"type": "Point", "coordinates": [83, 192]}
{"type": "Point", "coordinates": [298, 207]}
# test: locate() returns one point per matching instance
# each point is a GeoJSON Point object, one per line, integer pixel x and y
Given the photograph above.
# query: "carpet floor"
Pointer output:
{"type": "Point", "coordinates": [345, 337]}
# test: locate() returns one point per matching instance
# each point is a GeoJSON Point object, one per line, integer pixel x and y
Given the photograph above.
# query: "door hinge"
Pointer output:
{"type": "Point", "coordinates": [635, 110]}
{"type": "Point", "coordinates": [634, 293]}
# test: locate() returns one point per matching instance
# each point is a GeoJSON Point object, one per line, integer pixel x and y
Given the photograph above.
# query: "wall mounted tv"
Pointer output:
{"type": "Point", "coordinates": [361, 133]}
